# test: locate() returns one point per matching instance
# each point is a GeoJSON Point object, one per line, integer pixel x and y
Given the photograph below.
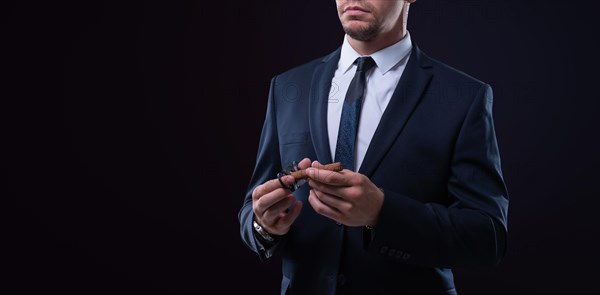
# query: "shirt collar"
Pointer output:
{"type": "Point", "coordinates": [385, 58]}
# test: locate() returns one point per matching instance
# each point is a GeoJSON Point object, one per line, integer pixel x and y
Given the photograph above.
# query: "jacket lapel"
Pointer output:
{"type": "Point", "coordinates": [406, 97]}
{"type": "Point", "coordinates": [318, 100]}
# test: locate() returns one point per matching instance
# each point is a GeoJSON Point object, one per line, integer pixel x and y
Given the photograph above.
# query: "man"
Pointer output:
{"type": "Point", "coordinates": [422, 191]}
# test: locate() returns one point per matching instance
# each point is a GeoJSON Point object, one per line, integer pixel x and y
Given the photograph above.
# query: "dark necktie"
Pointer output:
{"type": "Point", "coordinates": [346, 141]}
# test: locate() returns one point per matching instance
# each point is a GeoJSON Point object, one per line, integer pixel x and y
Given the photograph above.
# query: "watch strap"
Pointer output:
{"type": "Point", "coordinates": [262, 232]}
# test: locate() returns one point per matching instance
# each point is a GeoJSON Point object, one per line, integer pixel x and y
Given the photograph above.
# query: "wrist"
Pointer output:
{"type": "Point", "coordinates": [371, 223]}
{"type": "Point", "coordinates": [263, 233]}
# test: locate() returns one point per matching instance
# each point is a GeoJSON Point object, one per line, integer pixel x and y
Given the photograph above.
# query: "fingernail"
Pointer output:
{"type": "Point", "coordinates": [309, 171]}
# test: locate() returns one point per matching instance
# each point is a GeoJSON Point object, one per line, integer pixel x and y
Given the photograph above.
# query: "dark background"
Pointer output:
{"type": "Point", "coordinates": [126, 168]}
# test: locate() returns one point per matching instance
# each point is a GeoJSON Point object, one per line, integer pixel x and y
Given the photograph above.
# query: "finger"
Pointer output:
{"type": "Point", "coordinates": [335, 190]}
{"type": "Point", "coordinates": [272, 213]}
{"type": "Point", "coordinates": [323, 209]}
{"type": "Point", "coordinates": [328, 176]}
{"type": "Point", "coordinates": [333, 201]}
{"type": "Point", "coordinates": [267, 201]}
{"type": "Point", "coordinates": [270, 186]}
{"type": "Point", "coordinates": [305, 163]}
{"type": "Point", "coordinates": [262, 189]}
{"type": "Point", "coordinates": [291, 216]}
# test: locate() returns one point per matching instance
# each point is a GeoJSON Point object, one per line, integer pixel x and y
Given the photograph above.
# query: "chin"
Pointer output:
{"type": "Point", "coordinates": [362, 33]}
{"type": "Point", "coordinates": [356, 26]}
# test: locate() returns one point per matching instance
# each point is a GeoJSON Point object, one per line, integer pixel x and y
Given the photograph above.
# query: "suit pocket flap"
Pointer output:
{"type": "Point", "coordinates": [294, 137]}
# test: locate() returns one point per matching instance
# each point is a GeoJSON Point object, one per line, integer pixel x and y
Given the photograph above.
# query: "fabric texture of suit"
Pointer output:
{"type": "Point", "coordinates": [434, 154]}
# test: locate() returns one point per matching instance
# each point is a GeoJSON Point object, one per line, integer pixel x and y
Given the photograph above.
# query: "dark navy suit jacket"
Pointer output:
{"type": "Point", "coordinates": [435, 156]}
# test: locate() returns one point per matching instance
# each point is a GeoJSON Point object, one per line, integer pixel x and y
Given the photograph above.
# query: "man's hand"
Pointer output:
{"type": "Point", "coordinates": [346, 196]}
{"type": "Point", "coordinates": [270, 203]}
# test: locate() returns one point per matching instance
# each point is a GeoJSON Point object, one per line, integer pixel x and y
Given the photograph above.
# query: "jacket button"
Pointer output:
{"type": "Point", "coordinates": [383, 250]}
{"type": "Point", "coordinates": [399, 254]}
{"type": "Point", "coordinates": [406, 256]}
{"type": "Point", "coordinates": [338, 224]}
{"type": "Point", "coordinates": [342, 279]}
{"type": "Point", "coordinates": [391, 252]}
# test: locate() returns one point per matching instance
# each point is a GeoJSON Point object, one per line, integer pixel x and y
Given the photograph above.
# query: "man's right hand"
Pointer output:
{"type": "Point", "coordinates": [270, 202]}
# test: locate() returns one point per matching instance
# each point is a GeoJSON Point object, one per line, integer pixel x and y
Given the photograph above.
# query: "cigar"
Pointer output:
{"type": "Point", "coordinates": [301, 174]}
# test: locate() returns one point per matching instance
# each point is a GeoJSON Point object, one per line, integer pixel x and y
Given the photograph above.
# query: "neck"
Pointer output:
{"type": "Point", "coordinates": [376, 44]}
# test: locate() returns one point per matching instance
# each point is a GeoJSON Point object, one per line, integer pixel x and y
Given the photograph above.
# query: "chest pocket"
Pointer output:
{"type": "Point", "coordinates": [295, 146]}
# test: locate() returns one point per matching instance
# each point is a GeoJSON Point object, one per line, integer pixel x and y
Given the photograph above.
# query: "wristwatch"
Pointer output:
{"type": "Point", "coordinates": [262, 232]}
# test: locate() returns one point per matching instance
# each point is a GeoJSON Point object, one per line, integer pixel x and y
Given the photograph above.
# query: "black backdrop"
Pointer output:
{"type": "Point", "coordinates": [126, 168]}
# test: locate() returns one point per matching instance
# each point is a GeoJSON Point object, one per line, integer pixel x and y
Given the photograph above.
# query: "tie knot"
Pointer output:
{"type": "Point", "coordinates": [364, 64]}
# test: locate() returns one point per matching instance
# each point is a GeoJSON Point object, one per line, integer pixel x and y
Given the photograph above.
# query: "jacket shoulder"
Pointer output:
{"type": "Point", "coordinates": [305, 70]}
{"type": "Point", "coordinates": [452, 75]}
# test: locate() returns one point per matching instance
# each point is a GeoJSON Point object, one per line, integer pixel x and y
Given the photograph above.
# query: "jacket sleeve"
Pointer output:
{"type": "Point", "coordinates": [472, 231]}
{"type": "Point", "coordinates": [267, 166]}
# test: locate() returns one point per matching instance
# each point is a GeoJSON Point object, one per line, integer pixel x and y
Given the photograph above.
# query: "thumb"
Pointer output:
{"type": "Point", "coordinates": [305, 163]}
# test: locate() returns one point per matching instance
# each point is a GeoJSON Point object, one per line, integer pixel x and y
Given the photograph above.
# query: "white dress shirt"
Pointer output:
{"type": "Point", "coordinates": [381, 82]}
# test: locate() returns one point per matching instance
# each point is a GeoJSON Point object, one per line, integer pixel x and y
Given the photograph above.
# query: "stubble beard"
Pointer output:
{"type": "Point", "coordinates": [365, 33]}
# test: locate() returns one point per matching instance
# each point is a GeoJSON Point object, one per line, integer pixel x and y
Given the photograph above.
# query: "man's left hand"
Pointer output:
{"type": "Point", "coordinates": [347, 197]}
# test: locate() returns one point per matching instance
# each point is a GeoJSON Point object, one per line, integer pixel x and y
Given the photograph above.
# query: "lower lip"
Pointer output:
{"type": "Point", "coordinates": [355, 12]}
